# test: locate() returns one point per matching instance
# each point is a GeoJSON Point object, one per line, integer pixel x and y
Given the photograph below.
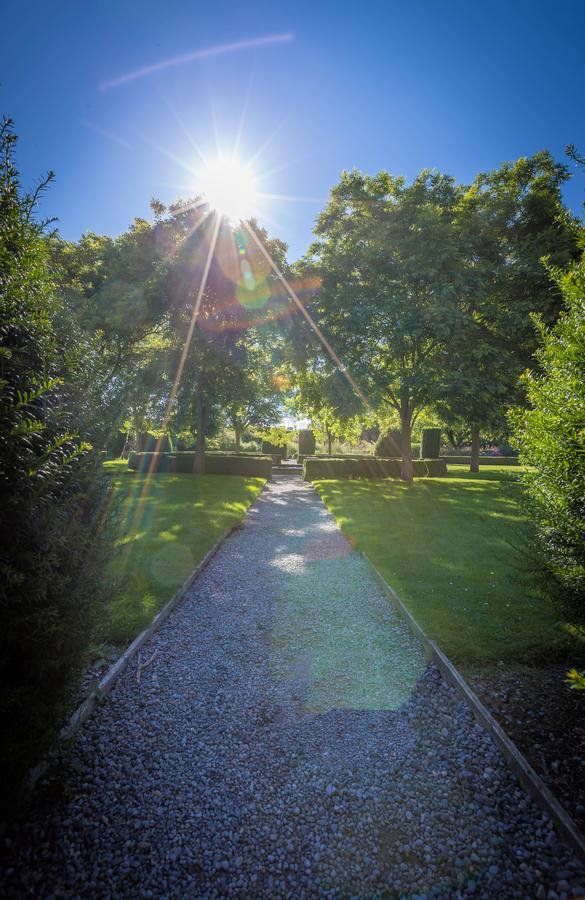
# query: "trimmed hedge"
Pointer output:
{"type": "Point", "coordinates": [430, 443]}
{"type": "Point", "coordinates": [374, 467]}
{"type": "Point", "coordinates": [483, 460]}
{"type": "Point", "coordinates": [274, 450]}
{"type": "Point", "coordinates": [148, 443]}
{"type": "Point", "coordinates": [215, 464]}
{"type": "Point", "coordinates": [436, 468]}
{"type": "Point", "coordinates": [389, 445]}
{"type": "Point", "coordinates": [307, 443]}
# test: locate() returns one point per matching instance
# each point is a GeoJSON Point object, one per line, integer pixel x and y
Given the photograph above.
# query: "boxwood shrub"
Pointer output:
{"type": "Point", "coordinates": [307, 443]}
{"type": "Point", "coordinates": [389, 445]}
{"type": "Point", "coordinates": [148, 443]}
{"type": "Point", "coordinates": [436, 468]}
{"type": "Point", "coordinates": [274, 450]}
{"type": "Point", "coordinates": [314, 468]}
{"type": "Point", "coordinates": [430, 443]}
{"type": "Point", "coordinates": [483, 460]}
{"type": "Point", "coordinates": [372, 467]}
{"type": "Point", "coordinates": [215, 464]}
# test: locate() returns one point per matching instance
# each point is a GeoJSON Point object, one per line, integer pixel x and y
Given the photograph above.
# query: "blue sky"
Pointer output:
{"type": "Point", "coordinates": [460, 86]}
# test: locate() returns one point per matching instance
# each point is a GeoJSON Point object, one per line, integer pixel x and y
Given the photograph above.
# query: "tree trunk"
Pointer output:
{"type": "Point", "coordinates": [199, 465]}
{"type": "Point", "coordinates": [474, 462]}
{"type": "Point", "coordinates": [329, 441]}
{"type": "Point", "coordinates": [407, 469]}
{"type": "Point", "coordinates": [238, 434]}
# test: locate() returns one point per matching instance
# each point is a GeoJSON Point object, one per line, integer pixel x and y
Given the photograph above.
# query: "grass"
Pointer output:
{"type": "Point", "coordinates": [448, 548]}
{"type": "Point", "coordinates": [164, 525]}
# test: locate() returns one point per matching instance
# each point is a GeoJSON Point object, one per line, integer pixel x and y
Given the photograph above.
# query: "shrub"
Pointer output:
{"type": "Point", "coordinates": [430, 443]}
{"type": "Point", "coordinates": [148, 443]}
{"type": "Point", "coordinates": [307, 443]}
{"type": "Point", "coordinates": [331, 467]}
{"type": "Point", "coordinates": [389, 445]}
{"type": "Point", "coordinates": [415, 450]}
{"type": "Point", "coordinates": [52, 491]}
{"type": "Point", "coordinates": [483, 460]}
{"type": "Point", "coordinates": [215, 464]}
{"type": "Point", "coordinates": [274, 450]}
{"type": "Point", "coordinates": [551, 437]}
{"type": "Point", "coordinates": [436, 468]}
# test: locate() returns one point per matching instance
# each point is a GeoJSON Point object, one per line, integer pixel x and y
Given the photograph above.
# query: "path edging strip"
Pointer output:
{"type": "Point", "coordinates": [516, 760]}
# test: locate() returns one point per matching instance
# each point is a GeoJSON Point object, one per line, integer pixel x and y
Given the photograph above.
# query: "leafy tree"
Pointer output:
{"type": "Point", "coordinates": [507, 220]}
{"type": "Point", "coordinates": [551, 437]}
{"type": "Point", "coordinates": [325, 397]}
{"type": "Point", "coordinates": [216, 332]}
{"type": "Point", "coordinates": [113, 297]}
{"type": "Point", "coordinates": [392, 269]}
{"type": "Point", "coordinates": [51, 491]}
{"type": "Point", "coordinates": [252, 405]}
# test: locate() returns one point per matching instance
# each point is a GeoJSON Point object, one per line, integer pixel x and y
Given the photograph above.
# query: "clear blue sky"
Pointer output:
{"type": "Point", "coordinates": [461, 85]}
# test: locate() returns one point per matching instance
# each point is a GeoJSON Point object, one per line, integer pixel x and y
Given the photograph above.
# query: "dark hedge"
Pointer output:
{"type": "Point", "coordinates": [215, 464]}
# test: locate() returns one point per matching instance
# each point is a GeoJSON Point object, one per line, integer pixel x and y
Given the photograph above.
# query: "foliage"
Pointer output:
{"type": "Point", "coordinates": [506, 220]}
{"type": "Point", "coordinates": [51, 492]}
{"type": "Point", "coordinates": [576, 680]}
{"type": "Point", "coordinates": [164, 528]}
{"type": "Point", "coordinates": [447, 546]}
{"type": "Point", "coordinates": [483, 460]}
{"type": "Point", "coordinates": [185, 463]}
{"type": "Point", "coordinates": [551, 437]}
{"type": "Point", "coordinates": [430, 445]}
{"type": "Point", "coordinates": [391, 267]}
{"type": "Point", "coordinates": [389, 444]}
{"type": "Point", "coordinates": [307, 443]}
{"type": "Point", "coordinates": [373, 467]}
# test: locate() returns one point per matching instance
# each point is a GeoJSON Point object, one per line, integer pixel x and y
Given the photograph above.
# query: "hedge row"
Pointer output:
{"type": "Point", "coordinates": [277, 453]}
{"type": "Point", "coordinates": [314, 468]}
{"type": "Point", "coordinates": [483, 460]}
{"type": "Point", "coordinates": [301, 458]}
{"type": "Point", "coordinates": [215, 464]}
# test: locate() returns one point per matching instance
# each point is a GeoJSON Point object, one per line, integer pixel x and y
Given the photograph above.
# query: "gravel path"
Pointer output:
{"type": "Point", "coordinates": [287, 740]}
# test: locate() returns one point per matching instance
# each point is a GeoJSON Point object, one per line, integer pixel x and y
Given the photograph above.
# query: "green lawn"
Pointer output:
{"type": "Point", "coordinates": [446, 545]}
{"type": "Point", "coordinates": [164, 525]}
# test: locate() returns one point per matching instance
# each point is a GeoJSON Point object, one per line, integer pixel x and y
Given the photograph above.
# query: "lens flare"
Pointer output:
{"type": "Point", "coordinates": [229, 187]}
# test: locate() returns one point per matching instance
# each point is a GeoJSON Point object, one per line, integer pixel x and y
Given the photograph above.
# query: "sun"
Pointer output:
{"type": "Point", "coordinates": [229, 187]}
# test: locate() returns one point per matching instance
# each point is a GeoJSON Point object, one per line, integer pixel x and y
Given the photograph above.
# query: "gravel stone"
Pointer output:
{"type": "Point", "coordinates": [288, 739]}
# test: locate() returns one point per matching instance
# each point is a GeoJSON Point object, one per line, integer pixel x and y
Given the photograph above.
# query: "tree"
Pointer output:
{"type": "Point", "coordinates": [325, 397]}
{"type": "Point", "coordinates": [252, 405]}
{"type": "Point", "coordinates": [392, 269]}
{"type": "Point", "coordinates": [113, 298]}
{"type": "Point", "coordinates": [220, 294]}
{"type": "Point", "coordinates": [506, 221]}
{"type": "Point", "coordinates": [551, 437]}
{"type": "Point", "coordinates": [52, 496]}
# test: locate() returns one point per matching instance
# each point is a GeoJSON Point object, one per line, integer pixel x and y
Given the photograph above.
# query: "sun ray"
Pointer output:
{"type": "Point", "coordinates": [292, 293]}
{"type": "Point", "coordinates": [180, 367]}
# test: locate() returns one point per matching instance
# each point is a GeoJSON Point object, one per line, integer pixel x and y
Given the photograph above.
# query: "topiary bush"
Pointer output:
{"type": "Point", "coordinates": [307, 443]}
{"type": "Point", "coordinates": [148, 443]}
{"type": "Point", "coordinates": [53, 496]}
{"type": "Point", "coordinates": [389, 445]}
{"type": "Point", "coordinates": [430, 443]}
{"type": "Point", "coordinates": [436, 468]}
{"type": "Point", "coordinates": [274, 450]}
{"type": "Point", "coordinates": [215, 464]}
